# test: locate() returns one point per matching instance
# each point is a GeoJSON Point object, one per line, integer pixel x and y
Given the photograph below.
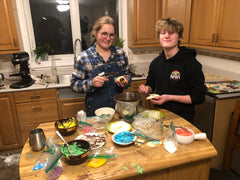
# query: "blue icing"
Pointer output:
{"type": "Point", "coordinates": [124, 137]}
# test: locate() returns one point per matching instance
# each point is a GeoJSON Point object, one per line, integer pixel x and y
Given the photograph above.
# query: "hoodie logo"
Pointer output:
{"type": "Point", "coordinates": [175, 76]}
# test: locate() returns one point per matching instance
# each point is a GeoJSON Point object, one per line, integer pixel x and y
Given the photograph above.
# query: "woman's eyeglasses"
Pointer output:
{"type": "Point", "coordinates": [105, 35]}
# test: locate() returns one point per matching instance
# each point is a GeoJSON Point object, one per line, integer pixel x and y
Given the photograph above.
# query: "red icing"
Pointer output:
{"type": "Point", "coordinates": [184, 132]}
{"type": "Point", "coordinates": [87, 129]}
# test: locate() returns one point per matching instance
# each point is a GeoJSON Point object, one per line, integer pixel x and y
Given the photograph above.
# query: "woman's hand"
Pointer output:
{"type": "Point", "coordinates": [122, 83]}
{"type": "Point", "coordinates": [98, 81]}
{"type": "Point", "coordinates": [144, 89]}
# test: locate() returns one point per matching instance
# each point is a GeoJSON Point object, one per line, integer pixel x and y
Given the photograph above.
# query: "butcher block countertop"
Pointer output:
{"type": "Point", "coordinates": [190, 161]}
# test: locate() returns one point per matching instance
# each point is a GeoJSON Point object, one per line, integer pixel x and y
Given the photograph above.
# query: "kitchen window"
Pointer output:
{"type": "Point", "coordinates": [60, 23]}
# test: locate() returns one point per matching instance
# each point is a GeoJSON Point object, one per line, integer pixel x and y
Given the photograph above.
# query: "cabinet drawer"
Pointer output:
{"type": "Point", "coordinates": [36, 95]}
{"type": "Point", "coordinates": [37, 112]}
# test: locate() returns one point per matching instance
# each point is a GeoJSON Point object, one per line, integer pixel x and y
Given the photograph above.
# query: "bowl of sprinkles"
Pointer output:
{"type": "Point", "coordinates": [123, 138]}
{"type": "Point", "coordinates": [67, 126]}
{"type": "Point", "coordinates": [81, 150]}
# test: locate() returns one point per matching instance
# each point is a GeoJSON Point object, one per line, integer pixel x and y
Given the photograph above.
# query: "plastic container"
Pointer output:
{"type": "Point", "coordinates": [81, 116]}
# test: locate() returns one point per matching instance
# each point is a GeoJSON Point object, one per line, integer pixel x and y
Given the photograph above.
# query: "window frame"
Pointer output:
{"type": "Point", "coordinates": [28, 39]}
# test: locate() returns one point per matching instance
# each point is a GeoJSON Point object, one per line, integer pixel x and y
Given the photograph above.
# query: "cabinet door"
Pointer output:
{"type": "Point", "coordinates": [8, 34]}
{"type": "Point", "coordinates": [181, 10]}
{"type": "Point", "coordinates": [229, 24]}
{"type": "Point", "coordinates": [145, 14]}
{"type": "Point", "coordinates": [9, 129]}
{"type": "Point", "coordinates": [203, 22]}
{"type": "Point", "coordinates": [69, 107]}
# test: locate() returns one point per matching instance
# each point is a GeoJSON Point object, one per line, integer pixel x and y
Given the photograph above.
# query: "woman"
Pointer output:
{"type": "Point", "coordinates": [175, 74]}
{"type": "Point", "coordinates": [96, 68]}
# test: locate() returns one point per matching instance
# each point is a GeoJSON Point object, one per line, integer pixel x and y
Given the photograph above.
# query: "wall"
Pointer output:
{"type": "Point", "coordinates": [223, 67]}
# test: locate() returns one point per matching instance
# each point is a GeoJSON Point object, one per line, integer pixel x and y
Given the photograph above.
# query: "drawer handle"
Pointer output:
{"type": "Point", "coordinates": [35, 96]}
{"type": "Point", "coordinates": [36, 108]}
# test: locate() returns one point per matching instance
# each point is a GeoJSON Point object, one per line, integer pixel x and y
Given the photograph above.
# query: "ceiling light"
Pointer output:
{"type": "Point", "coordinates": [62, 8]}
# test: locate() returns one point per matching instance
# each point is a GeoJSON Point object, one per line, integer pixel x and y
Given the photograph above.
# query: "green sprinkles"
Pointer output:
{"type": "Point", "coordinates": [125, 168]}
{"type": "Point", "coordinates": [75, 147]}
{"type": "Point", "coordinates": [140, 170]}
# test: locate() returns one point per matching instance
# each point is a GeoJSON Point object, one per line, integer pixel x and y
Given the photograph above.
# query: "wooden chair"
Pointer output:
{"type": "Point", "coordinates": [233, 140]}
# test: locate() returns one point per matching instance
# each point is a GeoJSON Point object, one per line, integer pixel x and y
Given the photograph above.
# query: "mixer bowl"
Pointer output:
{"type": "Point", "coordinates": [128, 104]}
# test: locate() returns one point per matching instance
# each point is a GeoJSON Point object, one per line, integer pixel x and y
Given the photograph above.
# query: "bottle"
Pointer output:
{"type": "Point", "coordinates": [54, 71]}
{"type": "Point", "coordinates": [81, 116]}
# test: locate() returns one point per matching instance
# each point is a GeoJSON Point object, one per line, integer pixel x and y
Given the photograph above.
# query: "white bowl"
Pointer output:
{"type": "Point", "coordinates": [122, 142]}
{"type": "Point", "coordinates": [105, 111]}
{"type": "Point", "coordinates": [185, 139]}
{"type": "Point", "coordinates": [191, 137]}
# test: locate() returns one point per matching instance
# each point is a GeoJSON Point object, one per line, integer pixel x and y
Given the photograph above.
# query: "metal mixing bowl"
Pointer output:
{"type": "Point", "coordinates": [128, 104]}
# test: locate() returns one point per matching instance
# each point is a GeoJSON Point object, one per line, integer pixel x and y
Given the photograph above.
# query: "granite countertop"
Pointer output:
{"type": "Point", "coordinates": [37, 86]}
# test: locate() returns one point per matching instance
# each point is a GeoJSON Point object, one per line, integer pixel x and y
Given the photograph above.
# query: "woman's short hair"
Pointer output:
{"type": "Point", "coordinates": [170, 25]}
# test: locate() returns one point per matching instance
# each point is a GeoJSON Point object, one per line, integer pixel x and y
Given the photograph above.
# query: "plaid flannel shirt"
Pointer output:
{"type": "Point", "coordinates": [82, 76]}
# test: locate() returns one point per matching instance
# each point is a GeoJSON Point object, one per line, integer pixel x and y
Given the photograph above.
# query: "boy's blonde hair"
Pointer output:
{"type": "Point", "coordinates": [170, 25]}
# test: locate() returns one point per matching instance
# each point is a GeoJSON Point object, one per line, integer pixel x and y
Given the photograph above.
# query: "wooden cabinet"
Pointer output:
{"type": "Point", "coordinates": [215, 24]}
{"type": "Point", "coordinates": [181, 10]}
{"type": "Point", "coordinates": [35, 107]}
{"type": "Point", "coordinates": [9, 126]}
{"type": "Point", "coordinates": [222, 117]}
{"type": "Point", "coordinates": [143, 15]}
{"type": "Point", "coordinates": [142, 18]}
{"type": "Point", "coordinates": [69, 107]}
{"type": "Point", "coordinates": [9, 40]}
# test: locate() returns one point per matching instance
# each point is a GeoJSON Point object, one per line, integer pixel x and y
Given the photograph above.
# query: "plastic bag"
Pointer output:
{"type": "Point", "coordinates": [99, 122]}
{"type": "Point", "coordinates": [86, 127]}
{"type": "Point", "coordinates": [148, 125]}
{"type": "Point", "coordinates": [56, 171]}
{"type": "Point", "coordinates": [170, 141]}
{"type": "Point", "coordinates": [100, 156]}
{"type": "Point", "coordinates": [50, 160]}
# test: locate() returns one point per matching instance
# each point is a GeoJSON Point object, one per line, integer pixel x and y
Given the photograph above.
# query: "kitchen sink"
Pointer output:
{"type": "Point", "coordinates": [64, 78]}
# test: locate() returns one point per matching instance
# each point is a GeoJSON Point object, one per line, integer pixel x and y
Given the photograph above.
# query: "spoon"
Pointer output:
{"type": "Point", "coordinates": [69, 148]}
{"type": "Point", "coordinates": [111, 74]}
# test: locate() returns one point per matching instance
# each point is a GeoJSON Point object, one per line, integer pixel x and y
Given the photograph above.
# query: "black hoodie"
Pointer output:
{"type": "Point", "coordinates": [180, 75]}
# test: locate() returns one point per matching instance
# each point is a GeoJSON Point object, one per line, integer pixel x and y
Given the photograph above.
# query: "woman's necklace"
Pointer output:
{"type": "Point", "coordinates": [104, 53]}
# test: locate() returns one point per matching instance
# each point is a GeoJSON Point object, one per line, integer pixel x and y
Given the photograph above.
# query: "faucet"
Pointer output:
{"type": "Point", "coordinates": [75, 47]}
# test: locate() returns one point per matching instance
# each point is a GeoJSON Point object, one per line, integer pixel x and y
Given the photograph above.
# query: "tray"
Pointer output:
{"type": "Point", "coordinates": [223, 87]}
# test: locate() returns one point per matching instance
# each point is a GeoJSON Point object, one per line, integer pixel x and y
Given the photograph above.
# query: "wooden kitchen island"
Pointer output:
{"type": "Point", "coordinates": [132, 162]}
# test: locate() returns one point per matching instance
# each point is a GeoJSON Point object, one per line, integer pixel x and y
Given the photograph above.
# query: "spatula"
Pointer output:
{"type": "Point", "coordinates": [69, 148]}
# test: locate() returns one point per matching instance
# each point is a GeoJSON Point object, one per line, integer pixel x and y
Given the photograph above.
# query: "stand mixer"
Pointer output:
{"type": "Point", "coordinates": [22, 59]}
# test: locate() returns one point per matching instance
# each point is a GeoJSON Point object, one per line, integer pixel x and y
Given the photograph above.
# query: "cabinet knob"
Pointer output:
{"type": "Point", "coordinates": [36, 108]}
